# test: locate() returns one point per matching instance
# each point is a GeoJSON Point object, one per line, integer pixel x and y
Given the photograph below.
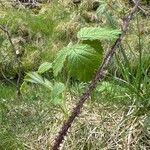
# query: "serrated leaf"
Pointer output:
{"type": "Point", "coordinates": [96, 44]}
{"type": "Point", "coordinates": [97, 33]}
{"type": "Point", "coordinates": [82, 61]}
{"type": "Point", "coordinates": [44, 67]}
{"type": "Point", "coordinates": [59, 61]}
{"type": "Point", "coordinates": [57, 89]}
{"type": "Point", "coordinates": [56, 92]}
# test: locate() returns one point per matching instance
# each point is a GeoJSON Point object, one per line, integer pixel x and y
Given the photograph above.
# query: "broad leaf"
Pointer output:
{"type": "Point", "coordinates": [82, 61]}
{"type": "Point", "coordinates": [97, 33]}
{"type": "Point", "coordinates": [96, 44]}
{"type": "Point", "coordinates": [44, 67]}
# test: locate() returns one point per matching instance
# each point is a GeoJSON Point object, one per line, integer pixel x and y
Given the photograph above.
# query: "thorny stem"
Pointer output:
{"type": "Point", "coordinates": [140, 8]}
{"type": "Point", "coordinates": [17, 58]}
{"type": "Point", "coordinates": [99, 74]}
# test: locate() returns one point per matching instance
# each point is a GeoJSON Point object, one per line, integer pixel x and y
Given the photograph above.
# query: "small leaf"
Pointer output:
{"type": "Point", "coordinates": [60, 60]}
{"type": "Point", "coordinates": [48, 84]}
{"type": "Point", "coordinates": [56, 93]}
{"type": "Point", "coordinates": [24, 87]}
{"type": "Point", "coordinates": [44, 67]}
{"type": "Point", "coordinates": [34, 77]}
{"type": "Point", "coordinates": [104, 86]}
{"type": "Point", "coordinates": [101, 10]}
{"type": "Point", "coordinates": [56, 101]}
{"type": "Point", "coordinates": [57, 90]}
{"type": "Point", "coordinates": [97, 33]}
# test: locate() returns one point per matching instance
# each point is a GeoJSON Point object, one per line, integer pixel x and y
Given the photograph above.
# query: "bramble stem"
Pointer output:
{"type": "Point", "coordinates": [99, 74]}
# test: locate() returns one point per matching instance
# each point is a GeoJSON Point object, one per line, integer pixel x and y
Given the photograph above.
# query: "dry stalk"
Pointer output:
{"type": "Point", "coordinates": [140, 8]}
{"type": "Point", "coordinates": [17, 58]}
{"type": "Point", "coordinates": [99, 74]}
{"type": "Point", "coordinates": [129, 138]}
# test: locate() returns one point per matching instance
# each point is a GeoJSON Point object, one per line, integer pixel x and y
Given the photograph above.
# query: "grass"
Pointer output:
{"type": "Point", "coordinates": [32, 123]}
{"type": "Point", "coordinates": [6, 91]}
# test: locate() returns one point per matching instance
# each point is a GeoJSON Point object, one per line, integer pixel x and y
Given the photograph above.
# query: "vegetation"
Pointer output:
{"type": "Point", "coordinates": [55, 48]}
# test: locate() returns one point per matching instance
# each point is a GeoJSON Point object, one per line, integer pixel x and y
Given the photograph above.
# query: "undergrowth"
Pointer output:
{"type": "Point", "coordinates": [116, 116]}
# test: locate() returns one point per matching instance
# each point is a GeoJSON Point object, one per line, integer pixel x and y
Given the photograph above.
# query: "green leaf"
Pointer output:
{"type": "Point", "coordinates": [56, 101]}
{"type": "Point", "coordinates": [60, 60]}
{"type": "Point", "coordinates": [82, 61]}
{"type": "Point", "coordinates": [47, 84]}
{"type": "Point", "coordinates": [101, 10]}
{"type": "Point", "coordinates": [97, 33]}
{"type": "Point", "coordinates": [104, 86]}
{"type": "Point", "coordinates": [111, 89]}
{"type": "Point", "coordinates": [44, 67]}
{"type": "Point", "coordinates": [96, 44]}
{"type": "Point", "coordinates": [56, 93]}
{"type": "Point", "coordinates": [24, 87]}
{"type": "Point", "coordinates": [34, 77]}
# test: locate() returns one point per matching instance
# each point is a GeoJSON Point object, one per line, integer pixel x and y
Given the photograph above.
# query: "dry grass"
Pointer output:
{"type": "Point", "coordinates": [107, 128]}
{"type": "Point", "coordinates": [99, 127]}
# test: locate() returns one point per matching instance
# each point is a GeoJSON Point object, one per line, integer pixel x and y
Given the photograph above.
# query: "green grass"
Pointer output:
{"type": "Point", "coordinates": [32, 122]}
{"type": "Point", "coordinates": [7, 91]}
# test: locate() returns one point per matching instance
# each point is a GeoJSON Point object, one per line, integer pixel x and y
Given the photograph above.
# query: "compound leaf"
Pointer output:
{"type": "Point", "coordinates": [82, 61]}
{"type": "Point", "coordinates": [44, 67]}
{"type": "Point", "coordinates": [97, 33]}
